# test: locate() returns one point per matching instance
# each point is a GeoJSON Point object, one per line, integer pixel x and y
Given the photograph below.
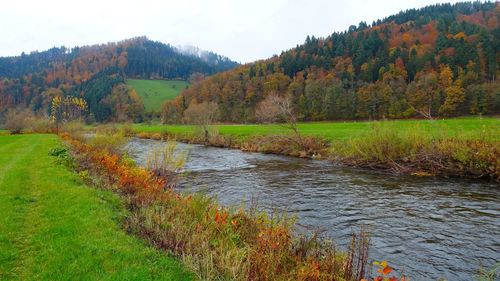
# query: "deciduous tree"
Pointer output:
{"type": "Point", "coordinates": [202, 114]}
{"type": "Point", "coordinates": [278, 109]}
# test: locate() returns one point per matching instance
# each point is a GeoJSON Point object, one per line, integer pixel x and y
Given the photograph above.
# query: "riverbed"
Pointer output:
{"type": "Point", "coordinates": [427, 228]}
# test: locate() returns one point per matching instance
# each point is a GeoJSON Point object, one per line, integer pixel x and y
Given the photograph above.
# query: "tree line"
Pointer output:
{"type": "Point", "coordinates": [437, 61]}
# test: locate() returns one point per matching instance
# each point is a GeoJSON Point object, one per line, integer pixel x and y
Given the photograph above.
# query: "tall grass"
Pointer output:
{"type": "Point", "coordinates": [107, 137]}
{"type": "Point", "coordinates": [166, 162]}
{"type": "Point", "coordinates": [415, 151]}
{"type": "Point", "coordinates": [489, 275]}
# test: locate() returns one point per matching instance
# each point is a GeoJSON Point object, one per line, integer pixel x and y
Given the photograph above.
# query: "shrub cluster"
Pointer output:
{"type": "Point", "coordinates": [25, 121]}
{"type": "Point", "coordinates": [415, 152]}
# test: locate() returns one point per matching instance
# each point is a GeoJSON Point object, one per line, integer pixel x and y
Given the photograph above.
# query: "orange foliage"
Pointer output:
{"type": "Point", "coordinates": [476, 18]}
{"type": "Point", "coordinates": [384, 270]}
{"type": "Point", "coordinates": [221, 217]}
{"type": "Point", "coordinates": [459, 36]}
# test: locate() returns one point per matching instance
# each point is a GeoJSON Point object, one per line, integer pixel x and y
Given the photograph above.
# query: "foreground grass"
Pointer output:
{"type": "Point", "coordinates": [470, 128]}
{"type": "Point", "coordinates": [53, 227]}
{"type": "Point", "coordinates": [155, 92]}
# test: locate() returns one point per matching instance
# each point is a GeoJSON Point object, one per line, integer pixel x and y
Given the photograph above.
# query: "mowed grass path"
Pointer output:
{"type": "Point", "coordinates": [54, 227]}
{"type": "Point", "coordinates": [155, 92]}
{"type": "Point", "coordinates": [470, 127]}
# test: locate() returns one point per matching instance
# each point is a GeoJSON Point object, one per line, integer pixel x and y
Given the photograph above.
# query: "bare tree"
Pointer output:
{"type": "Point", "coordinates": [422, 93]}
{"type": "Point", "coordinates": [15, 120]}
{"type": "Point", "coordinates": [202, 114]}
{"type": "Point", "coordinates": [196, 77]}
{"type": "Point", "coordinates": [278, 109]}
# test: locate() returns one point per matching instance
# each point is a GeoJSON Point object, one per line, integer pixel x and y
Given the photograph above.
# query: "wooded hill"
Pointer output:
{"type": "Point", "coordinates": [97, 73]}
{"type": "Point", "coordinates": [441, 60]}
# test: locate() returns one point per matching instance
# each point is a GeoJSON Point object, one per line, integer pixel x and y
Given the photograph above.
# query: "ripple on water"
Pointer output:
{"type": "Point", "coordinates": [429, 228]}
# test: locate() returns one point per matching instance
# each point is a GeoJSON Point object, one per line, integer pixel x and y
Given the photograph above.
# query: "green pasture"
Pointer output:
{"type": "Point", "coordinates": [468, 127]}
{"type": "Point", "coordinates": [155, 92]}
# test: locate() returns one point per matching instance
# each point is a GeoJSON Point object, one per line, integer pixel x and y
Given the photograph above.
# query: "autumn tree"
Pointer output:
{"type": "Point", "coordinates": [423, 93]}
{"type": "Point", "coordinates": [454, 97]}
{"type": "Point", "coordinates": [125, 103]}
{"type": "Point", "coordinates": [277, 109]}
{"type": "Point", "coordinates": [64, 109]}
{"type": "Point", "coordinates": [374, 100]}
{"type": "Point", "coordinates": [203, 115]}
{"type": "Point", "coordinates": [15, 120]}
{"type": "Point", "coordinates": [453, 92]}
{"type": "Point", "coordinates": [172, 112]}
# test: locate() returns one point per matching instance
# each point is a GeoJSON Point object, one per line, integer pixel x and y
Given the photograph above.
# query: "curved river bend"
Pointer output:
{"type": "Point", "coordinates": [426, 227]}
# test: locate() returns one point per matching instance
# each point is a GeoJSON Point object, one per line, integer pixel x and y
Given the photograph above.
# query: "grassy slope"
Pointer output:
{"type": "Point", "coordinates": [469, 127]}
{"type": "Point", "coordinates": [155, 92]}
{"type": "Point", "coordinates": [53, 227]}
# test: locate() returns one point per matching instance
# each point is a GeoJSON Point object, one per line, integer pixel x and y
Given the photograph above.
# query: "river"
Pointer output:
{"type": "Point", "coordinates": [427, 228]}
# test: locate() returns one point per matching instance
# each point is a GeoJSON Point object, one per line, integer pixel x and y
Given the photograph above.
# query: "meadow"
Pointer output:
{"type": "Point", "coordinates": [463, 147]}
{"type": "Point", "coordinates": [155, 92]}
{"type": "Point", "coordinates": [55, 227]}
{"type": "Point", "coordinates": [464, 128]}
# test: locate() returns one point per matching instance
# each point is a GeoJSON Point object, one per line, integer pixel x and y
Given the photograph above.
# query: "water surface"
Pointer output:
{"type": "Point", "coordinates": [429, 228]}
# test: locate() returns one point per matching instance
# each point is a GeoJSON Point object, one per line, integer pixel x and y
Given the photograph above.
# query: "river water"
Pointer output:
{"type": "Point", "coordinates": [427, 228]}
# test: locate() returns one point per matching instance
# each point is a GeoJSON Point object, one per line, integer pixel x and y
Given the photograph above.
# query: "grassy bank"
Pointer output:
{"type": "Point", "coordinates": [469, 127]}
{"type": "Point", "coordinates": [464, 147]}
{"type": "Point", "coordinates": [54, 227]}
{"type": "Point", "coordinates": [216, 242]}
{"type": "Point", "coordinates": [155, 92]}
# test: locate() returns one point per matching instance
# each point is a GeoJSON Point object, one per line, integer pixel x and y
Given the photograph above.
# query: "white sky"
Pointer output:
{"type": "Point", "coordinates": [243, 30]}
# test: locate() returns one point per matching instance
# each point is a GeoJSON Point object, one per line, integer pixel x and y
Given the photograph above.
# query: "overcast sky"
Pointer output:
{"type": "Point", "coordinates": [244, 30]}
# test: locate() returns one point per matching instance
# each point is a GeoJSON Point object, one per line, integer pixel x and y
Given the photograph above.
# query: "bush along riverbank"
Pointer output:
{"type": "Point", "coordinates": [380, 148]}
{"type": "Point", "coordinates": [420, 154]}
{"type": "Point", "coordinates": [215, 242]}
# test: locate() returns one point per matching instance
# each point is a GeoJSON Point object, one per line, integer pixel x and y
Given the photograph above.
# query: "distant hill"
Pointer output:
{"type": "Point", "coordinates": [441, 60]}
{"type": "Point", "coordinates": [155, 92]}
{"type": "Point", "coordinates": [220, 63]}
{"type": "Point", "coordinates": [92, 72]}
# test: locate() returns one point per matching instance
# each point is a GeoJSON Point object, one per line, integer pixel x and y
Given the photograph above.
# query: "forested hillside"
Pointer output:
{"type": "Point", "coordinates": [97, 74]}
{"type": "Point", "coordinates": [441, 60]}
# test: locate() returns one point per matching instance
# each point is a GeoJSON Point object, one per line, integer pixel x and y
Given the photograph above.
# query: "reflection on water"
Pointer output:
{"type": "Point", "coordinates": [428, 228]}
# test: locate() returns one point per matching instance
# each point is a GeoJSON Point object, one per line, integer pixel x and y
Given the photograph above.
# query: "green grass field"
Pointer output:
{"type": "Point", "coordinates": [155, 92]}
{"type": "Point", "coordinates": [54, 227]}
{"type": "Point", "coordinates": [469, 127]}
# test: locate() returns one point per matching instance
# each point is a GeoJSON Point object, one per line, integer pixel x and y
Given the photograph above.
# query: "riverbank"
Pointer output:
{"type": "Point", "coordinates": [462, 147]}
{"type": "Point", "coordinates": [448, 223]}
{"type": "Point", "coordinates": [55, 227]}
{"type": "Point", "coordinates": [216, 242]}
